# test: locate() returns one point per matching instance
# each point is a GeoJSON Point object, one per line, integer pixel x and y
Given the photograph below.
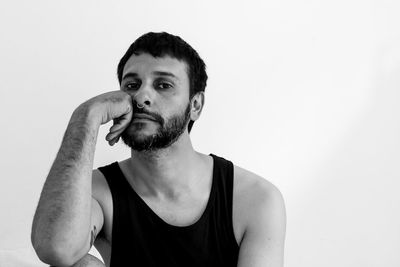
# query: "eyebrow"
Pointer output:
{"type": "Point", "coordinates": [157, 73]}
{"type": "Point", "coordinates": [130, 75]}
{"type": "Point", "coordinates": [165, 73]}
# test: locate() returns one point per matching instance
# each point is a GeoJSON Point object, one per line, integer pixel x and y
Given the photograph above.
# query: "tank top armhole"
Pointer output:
{"type": "Point", "coordinates": [230, 184]}
{"type": "Point", "coordinates": [226, 170]}
{"type": "Point", "coordinates": [108, 171]}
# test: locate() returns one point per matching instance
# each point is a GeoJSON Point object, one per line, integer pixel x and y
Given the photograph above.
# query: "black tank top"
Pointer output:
{"type": "Point", "coordinates": [141, 238]}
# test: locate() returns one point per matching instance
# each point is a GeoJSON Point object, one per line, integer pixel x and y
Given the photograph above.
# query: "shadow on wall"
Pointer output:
{"type": "Point", "coordinates": [351, 209]}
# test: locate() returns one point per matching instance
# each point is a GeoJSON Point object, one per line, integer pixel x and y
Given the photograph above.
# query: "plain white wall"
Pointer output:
{"type": "Point", "coordinates": [303, 93]}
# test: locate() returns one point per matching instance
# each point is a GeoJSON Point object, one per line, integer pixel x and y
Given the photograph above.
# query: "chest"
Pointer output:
{"type": "Point", "coordinates": [177, 215]}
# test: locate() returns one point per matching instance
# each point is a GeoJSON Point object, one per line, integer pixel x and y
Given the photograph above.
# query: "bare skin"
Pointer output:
{"type": "Point", "coordinates": [244, 195]}
{"type": "Point", "coordinates": [76, 205]}
{"type": "Point", "coordinates": [88, 261]}
{"type": "Point", "coordinates": [62, 228]}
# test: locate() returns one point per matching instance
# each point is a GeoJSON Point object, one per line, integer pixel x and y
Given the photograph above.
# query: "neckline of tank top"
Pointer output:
{"type": "Point", "coordinates": [184, 228]}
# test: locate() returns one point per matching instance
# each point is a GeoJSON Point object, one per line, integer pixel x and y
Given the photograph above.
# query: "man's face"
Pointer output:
{"type": "Point", "coordinates": [162, 86]}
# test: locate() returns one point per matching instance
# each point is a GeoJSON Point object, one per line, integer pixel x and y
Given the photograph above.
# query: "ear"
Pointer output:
{"type": "Point", "coordinates": [196, 105]}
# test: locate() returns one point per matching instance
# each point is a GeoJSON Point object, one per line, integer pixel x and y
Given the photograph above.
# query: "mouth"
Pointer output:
{"type": "Point", "coordinates": [142, 116]}
{"type": "Point", "coordinates": [137, 120]}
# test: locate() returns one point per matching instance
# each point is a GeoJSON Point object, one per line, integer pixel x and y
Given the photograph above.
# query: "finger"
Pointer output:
{"type": "Point", "coordinates": [117, 129]}
{"type": "Point", "coordinates": [111, 142]}
{"type": "Point", "coordinates": [114, 133]}
{"type": "Point", "coordinates": [122, 122]}
{"type": "Point", "coordinates": [114, 141]}
{"type": "Point", "coordinates": [111, 136]}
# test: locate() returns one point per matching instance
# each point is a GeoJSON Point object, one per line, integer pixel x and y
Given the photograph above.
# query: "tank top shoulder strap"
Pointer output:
{"type": "Point", "coordinates": [118, 188]}
{"type": "Point", "coordinates": [224, 173]}
{"type": "Point", "coordinates": [113, 176]}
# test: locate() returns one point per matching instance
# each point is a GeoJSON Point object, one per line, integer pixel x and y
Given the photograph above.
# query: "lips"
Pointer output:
{"type": "Point", "coordinates": [143, 116]}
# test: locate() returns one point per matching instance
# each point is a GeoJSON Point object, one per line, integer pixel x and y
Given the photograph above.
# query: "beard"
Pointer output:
{"type": "Point", "coordinates": [166, 134]}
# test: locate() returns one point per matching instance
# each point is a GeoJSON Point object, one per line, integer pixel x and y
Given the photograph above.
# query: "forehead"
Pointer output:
{"type": "Point", "coordinates": [144, 63]}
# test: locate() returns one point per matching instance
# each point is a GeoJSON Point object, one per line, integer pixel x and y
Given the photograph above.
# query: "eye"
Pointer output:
{"type": "Point", "coordinates": [163, 85]}
{"type": "Point", "coordinates": [132, 85]}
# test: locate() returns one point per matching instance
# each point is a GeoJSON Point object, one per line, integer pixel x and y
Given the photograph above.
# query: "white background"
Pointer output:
{"type": "Point", "coordinates": [304, 93]}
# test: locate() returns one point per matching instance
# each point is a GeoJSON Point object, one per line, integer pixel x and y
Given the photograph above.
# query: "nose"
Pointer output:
{"type": "Point", "coordinates": [142, 97]}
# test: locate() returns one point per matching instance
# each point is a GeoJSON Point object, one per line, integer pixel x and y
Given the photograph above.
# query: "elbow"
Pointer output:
{"type": "Point", "coordinates": [55, 251]}
{"type": "Point", "coordinates": [54, 255]}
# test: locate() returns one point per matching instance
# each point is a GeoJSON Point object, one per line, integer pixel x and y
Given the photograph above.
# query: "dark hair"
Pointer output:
{"type": "Point", "coordinates": [162, 44]}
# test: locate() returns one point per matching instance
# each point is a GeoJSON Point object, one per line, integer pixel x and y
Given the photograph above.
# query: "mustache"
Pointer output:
{"type": "Point", "coordinates": [154, 115]}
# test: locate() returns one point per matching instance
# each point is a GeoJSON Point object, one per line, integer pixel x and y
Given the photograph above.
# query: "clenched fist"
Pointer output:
{"type": "Point", "coordinates": [114, 105]}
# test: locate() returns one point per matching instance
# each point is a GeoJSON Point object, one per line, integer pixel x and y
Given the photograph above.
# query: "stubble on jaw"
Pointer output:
{"type": "Point", "coordinates": [167, 133]}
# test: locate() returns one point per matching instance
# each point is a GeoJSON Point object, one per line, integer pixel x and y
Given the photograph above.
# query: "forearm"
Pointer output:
{"type": "Point", "coordinates": [62, 218]}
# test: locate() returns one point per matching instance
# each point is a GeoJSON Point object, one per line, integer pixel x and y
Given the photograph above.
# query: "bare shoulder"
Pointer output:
{"type": "Point", "coordinates": [256, 199]}
{"type": "Point", "coordinates": [261, 216]}
{"type": "Point", "coordinates": [252, 187]}
{"type": "Point", "coordinates": [99, 185]}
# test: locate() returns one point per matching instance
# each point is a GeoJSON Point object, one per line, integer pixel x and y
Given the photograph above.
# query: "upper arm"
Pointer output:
{"type": "Point", "coordinates": [96, 215]}
{"type": "Point", "coordinates": [97, 221]}
{"type": "Point", "coordinates": [264, 237]}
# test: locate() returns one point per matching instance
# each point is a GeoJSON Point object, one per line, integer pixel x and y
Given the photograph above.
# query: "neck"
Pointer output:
{"type": "Point", "coordinates": [170, 173]}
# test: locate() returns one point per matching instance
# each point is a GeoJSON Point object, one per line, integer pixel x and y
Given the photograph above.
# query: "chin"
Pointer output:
{"type": "Point", "coordinates": [142, 127]}
{"type": "Point", "coordinates": [139, 132]}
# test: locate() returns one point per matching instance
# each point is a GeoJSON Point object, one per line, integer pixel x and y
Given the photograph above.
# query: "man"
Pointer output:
{"type": "Point", "coordinates": [166, 205]}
